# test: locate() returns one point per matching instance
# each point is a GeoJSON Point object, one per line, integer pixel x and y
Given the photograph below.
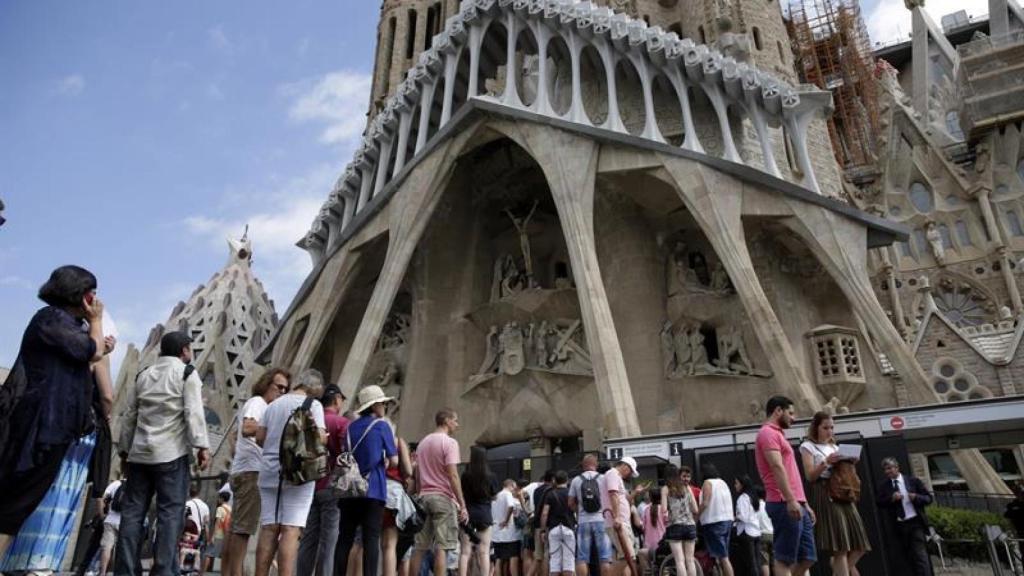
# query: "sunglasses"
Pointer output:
{"type": "Point", "coordinates": [282, 389]}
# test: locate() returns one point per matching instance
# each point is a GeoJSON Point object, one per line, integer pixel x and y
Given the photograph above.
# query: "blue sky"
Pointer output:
{"type": "Point", "coordinates": [135, 136]}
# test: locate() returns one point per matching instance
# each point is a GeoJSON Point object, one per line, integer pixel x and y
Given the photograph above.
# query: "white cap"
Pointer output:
{"type": "Point", "coordinates": [629, 460]}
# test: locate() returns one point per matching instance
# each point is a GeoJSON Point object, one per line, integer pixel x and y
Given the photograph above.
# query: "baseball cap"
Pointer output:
{"type": "Point", "coordinates": [631, 462]}
{"type": "Point", "coordinates": [172, 343]}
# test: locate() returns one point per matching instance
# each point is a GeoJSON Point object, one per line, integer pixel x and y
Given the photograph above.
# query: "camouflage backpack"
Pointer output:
{"type": "Point", "coordinates": [303, 454]}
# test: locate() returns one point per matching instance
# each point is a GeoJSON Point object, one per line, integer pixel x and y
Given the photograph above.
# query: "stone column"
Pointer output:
{"type": "Point", "coordinates": [1011, 282]}
{"type": "Point", "coordinates": [894, 293]}
{"type": "Point", "coordinates": [981, 194]}
{"type": "Point", "coordinates": [410, 212]}
{"type": "Point", "coordinates": [717, 210]}
{"type": "Point", "coordinates": [840, 244]}
{"type": "Point", "coordinates": [569, 163]}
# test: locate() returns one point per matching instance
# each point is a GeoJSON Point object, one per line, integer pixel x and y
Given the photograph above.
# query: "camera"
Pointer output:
{"type": "Point", "coordinates": [471, 532]}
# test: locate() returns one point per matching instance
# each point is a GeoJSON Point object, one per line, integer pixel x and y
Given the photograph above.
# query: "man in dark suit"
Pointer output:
{"type": "Point", "coordinates": [905, 498]}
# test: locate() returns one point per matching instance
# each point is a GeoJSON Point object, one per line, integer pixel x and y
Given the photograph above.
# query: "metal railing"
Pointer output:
{"type": "Point", "coordinates": [995, 503]}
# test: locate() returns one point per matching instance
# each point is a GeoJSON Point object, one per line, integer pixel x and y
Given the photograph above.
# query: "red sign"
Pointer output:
{"type": "Point", "coordinates": [897, 423]}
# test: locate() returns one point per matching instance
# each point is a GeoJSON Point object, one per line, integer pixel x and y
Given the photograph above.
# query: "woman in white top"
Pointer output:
{"type": "Point", "coordinates": [765, 554]}
{"type": "Point", "coordinates": [284, 507]}
{"type": "Point", "coordinates": [716, 516]}
{"type": "Point", "coordinates": [748, 527]}
{"type": "Point", "coordinates": [839, 528]}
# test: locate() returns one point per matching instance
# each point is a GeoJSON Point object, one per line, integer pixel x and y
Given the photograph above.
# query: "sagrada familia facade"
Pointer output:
{"type": "Point", "coordinates": [582, 220]}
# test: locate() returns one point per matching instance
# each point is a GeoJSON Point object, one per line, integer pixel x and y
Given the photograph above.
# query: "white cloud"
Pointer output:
{"type": "Point", "coordinates": [338, 100]}
{"type": "Point", "coordinates": [217, 38]}
{"type": "Point", "coordinates": [282, 217]}
{"type": "Point", "coordinates": [71, 85]}
{"type": "Point", "coordinates": [16, 281]}
{"type": "Point", "coordinates": [889, 20]}
{"type": "Point", "coordinates": [214, 92]}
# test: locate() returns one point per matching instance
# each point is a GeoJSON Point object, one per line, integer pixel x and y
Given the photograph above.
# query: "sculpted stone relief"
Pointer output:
{"type": "Point", "coordinates": [551, 346]}
{"type": "Point", "coordinates": [688, 272]}
{"type": "Point", "coordinates": [686, 352]}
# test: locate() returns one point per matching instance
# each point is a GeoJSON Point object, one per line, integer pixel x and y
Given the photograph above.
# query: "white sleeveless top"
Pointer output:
{"type": "Point", "coordinates": [820, 453]}
{"type": "Point", "coordinates": [719, 508]}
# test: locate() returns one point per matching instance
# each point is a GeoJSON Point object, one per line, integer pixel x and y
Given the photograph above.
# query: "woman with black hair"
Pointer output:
{"type": "Point", "coordinates": [479, 487]}
{"type": "Point", "coordinates": [46, 403]}
{"type": "Point", "coordinates": [748, 528]}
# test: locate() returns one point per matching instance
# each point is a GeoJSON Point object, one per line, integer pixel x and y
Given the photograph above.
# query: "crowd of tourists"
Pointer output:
{"type": "Point", "coordinates": [330, 492]}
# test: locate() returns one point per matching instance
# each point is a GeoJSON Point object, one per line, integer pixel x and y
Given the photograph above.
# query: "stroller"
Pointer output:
{"type": "Point", "coordinates": [190, 547]}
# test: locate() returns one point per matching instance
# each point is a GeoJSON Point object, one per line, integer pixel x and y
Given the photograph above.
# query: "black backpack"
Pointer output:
{"type": "Point", "coordinates": [590, 494]}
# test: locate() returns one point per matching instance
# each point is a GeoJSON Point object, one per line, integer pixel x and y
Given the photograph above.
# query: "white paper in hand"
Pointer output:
{"type": "Point", "coordinates": [849, 451]}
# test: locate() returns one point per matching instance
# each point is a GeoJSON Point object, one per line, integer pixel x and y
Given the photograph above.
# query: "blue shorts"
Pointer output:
{"type": "Point", "coordinates": [794, 539]}
{"type": "Point", "coordinates": [716, 538]}
{"type": "Point", "coordinates": [590, 534]}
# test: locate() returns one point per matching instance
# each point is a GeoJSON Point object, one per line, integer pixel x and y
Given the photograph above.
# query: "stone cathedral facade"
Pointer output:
{"type": "Point", "coordinates": [588, 220]}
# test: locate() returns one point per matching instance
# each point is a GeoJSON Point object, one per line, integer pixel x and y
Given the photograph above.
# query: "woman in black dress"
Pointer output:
{"type": "Point", "coordinates": [46, 403]}
{"type": "Point", "coordinates": [479, 487]}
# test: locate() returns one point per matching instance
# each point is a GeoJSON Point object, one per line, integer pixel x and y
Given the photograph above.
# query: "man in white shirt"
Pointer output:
{"type": "Point", "coordinates": [163, 423]}
{"type": "Point", "coordinates": [506, 536]}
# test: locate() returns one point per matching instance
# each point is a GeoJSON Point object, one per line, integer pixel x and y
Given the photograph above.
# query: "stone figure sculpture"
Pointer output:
{"type": "Point", "coordinates": [675, 271]}
{"type": "Point", "coordinates": [396, 331]}
{"type": "Point", "coordinates": [668, 348]}
{"type": "Point", "coordinates": [524, 239]}
{"type": "Point", "coordinates": [935, 241]}
{"type": "Point", "coordinates": [540, 344]}
{"type": "Point", "coordinates": [732, 352]}
{"type": "Point", "coordinates": [720, 279]}
{"type": "Point", "coordinates": [508, 280]}
{"type": "Point", "coordinates": [513, 356]}
{"type": "Point", "coordinates": [699, 353]}
{"type": "Point", "coordinates": [491, 356]}
{"type": "Point", "coordinates": [684, 353]}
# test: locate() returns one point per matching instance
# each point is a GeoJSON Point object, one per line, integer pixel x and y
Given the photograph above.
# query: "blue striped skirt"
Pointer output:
{"type": "Point", "coordinates": [43, 539]}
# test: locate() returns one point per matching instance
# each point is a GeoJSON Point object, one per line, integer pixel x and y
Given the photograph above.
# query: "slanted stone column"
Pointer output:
{"type": "Point", "coordinates": [421, 192]}
{"type": "Point", "coordinates": [717, 210]}
{"type": "Point", "coordinates": [569, 163]}
{"type": "Point", "coordinates": [840, 245]}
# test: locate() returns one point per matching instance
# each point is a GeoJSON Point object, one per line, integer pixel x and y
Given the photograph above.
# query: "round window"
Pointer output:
{"type": "Point", "coordinates": [941, 386]}
{"type": "Point", "coordinates": [976, 396]}
{"type": "Point", "coordinates": [955, 398]}
{"type": "Point", "coordinates": [921, 198]}
{"type": "Point", "coordinates": [961, 385]}
{"type": "Point", "coordinates": [947, 370]}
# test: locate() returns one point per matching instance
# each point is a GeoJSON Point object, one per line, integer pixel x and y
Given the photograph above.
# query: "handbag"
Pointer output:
{"type": "Point", "coordinates": [347, 481]}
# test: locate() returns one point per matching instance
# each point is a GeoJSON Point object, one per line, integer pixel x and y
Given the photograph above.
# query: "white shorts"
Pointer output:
{"type": "Point", "coordinates": [294, 505]}
{"type": "Point", "coordinates": [561, 550]}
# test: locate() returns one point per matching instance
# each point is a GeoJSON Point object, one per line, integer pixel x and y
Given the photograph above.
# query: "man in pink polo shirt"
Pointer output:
{"type": "Point", "coordinates": [437, 458]}
{"type": "Point", "coordinates": [786, 504]}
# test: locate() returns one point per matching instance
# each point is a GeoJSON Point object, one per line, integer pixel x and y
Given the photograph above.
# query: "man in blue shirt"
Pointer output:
{"type": "Point", "coordinates": [372, 442]}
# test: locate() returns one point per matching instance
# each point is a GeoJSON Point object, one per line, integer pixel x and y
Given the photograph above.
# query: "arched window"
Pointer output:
{"type": "Point", "coordinates": [953, 125]}
{"type": "Point", "coordinates": [947, 239]}
{"type": "Point", "coordinates": [963, 234]}
{"type": "Point", "coordinates": [921, 198]}
{"type": "Point", "coordinates": [1020, 169]}
{"type": "Point", "coordinates": [677, 28]}
{"type": "Point", "coordinates": [1014, 222]}
{"type": "Point", "coordinates": [756, 32]}
{"type": "Point", "coordinates": [410, 38]}
{"type": "Point", "coordinates": [782, 52]}
{"type": "Point", "coordinates": [700, 33]}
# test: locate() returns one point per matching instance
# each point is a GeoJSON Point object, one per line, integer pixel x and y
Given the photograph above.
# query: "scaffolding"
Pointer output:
{"type": "Point", "coordinates": [833, 52]}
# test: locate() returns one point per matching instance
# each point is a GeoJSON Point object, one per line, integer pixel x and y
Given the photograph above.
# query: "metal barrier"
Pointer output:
{"type": "Point", "coordinates": [995, 503]}
{"type": "Point", "coordinates": [995, 541]}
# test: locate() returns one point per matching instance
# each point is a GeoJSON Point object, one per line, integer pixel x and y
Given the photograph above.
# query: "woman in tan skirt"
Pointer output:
{"type": "Point", "coordinates": [839, 530]}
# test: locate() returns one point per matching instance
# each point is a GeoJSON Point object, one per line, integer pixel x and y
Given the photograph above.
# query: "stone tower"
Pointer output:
{"type": "Point", "coordinates": [229, 318]}
{"type": "Point", "coordinates": [406, 29]}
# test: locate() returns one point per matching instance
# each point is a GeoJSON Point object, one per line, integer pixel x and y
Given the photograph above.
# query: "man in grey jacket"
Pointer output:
{"type": "Point", "coordinates": [163, 422]}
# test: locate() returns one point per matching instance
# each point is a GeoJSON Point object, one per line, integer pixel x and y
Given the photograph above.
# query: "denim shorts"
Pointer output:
{"type": "Point", "coordinates": [716, 538]}
{"type": "Point", "coordinates": [681, 533]}
{"type": "Point", "coordinates": [793, 539]}
{"type": "Point", "coordinates": [590, 534]}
